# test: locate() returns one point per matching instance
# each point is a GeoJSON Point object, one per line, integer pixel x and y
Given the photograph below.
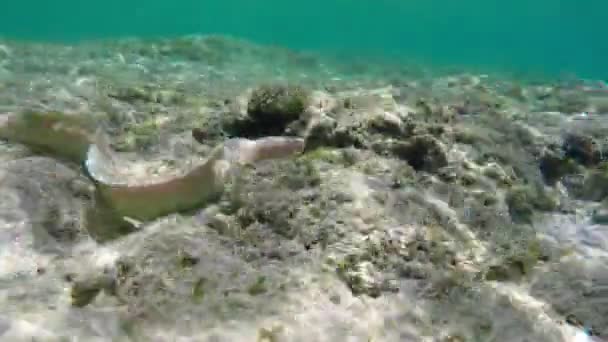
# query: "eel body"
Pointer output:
{"type": "Point", "coordinates": [56, 134]}
{"type": "Point", "coordinates": [77, 140]}
{"type": "Point", "coordinates": [146, 200]}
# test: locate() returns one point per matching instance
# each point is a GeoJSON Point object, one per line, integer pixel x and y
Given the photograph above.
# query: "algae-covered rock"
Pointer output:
{"type": "Point", "coordinates": [497, 173]}
{"type": "Point", "coordinates": [423, 153]}
{"type": "Point", "coordinates": [511, 271]}
{"type": "Point", "coordinates": [277, 102]}
{"type": "Point", "coordinates": [554, 166]}
{"type": "Point", "coordinates": [85, 289]}
{"type": "Point", "coordinates": [271, 108]}
{"type": "Point", "coordinates": [575, 287]}
{"type": "Point", "coordinates": [421, 243]}
{"type": "Point", "coordinates": [212, 50]}
{"type": "Point", "coordinates": [524, 200]}
{"type": "Point", "coordinates": [582, 148]}
{"type": "Point", "coordinates": [327, 132]}
{"type": "Point", "coordinates": [565, 101]}
{"type": "Point", "coordinates": [600, 216]}
{"type": "Point", "coordinates": [147, 93]}
{"type": "Point", "coordinates": [430, 110]}
{"type": "Point", "coordinates": [258, 287]}
{"type": "Point", "coordinates": [344, 157]}
{"type": "Point", "coordinates": [139, 136]}
{"type": "Point", "coordinates": [390, 124]}
{"type": "Point", "coordinates": [518, 262]}
{"type": "Point", "coordinates": [132, 94]}
{"type": "Point", "coordinates": [359, 276]}
{"type": "Point", "coordinates": [45, 197]}
{"type": "Point", "coordinates": [595, 185]}
{"type": "Point", "coordinates": [599, 104]}
{"type": "Point", "coordinates": [274, 202]}
{"type": "Point", "coordinates": [478, 101]}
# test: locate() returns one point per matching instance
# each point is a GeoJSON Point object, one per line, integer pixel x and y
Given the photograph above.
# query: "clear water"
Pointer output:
{"type": "Point", "coordinates": [155, 91]}
{"type": "Point", "coordinates": [554, 37]}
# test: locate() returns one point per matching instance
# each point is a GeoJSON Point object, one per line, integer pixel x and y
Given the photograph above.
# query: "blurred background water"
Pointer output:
{"type": "Point", "coordinates": [556, 37]}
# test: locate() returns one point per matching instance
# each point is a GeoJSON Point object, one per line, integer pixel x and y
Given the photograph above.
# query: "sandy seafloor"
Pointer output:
{"type": "Point", "coordinates": [422, 214]}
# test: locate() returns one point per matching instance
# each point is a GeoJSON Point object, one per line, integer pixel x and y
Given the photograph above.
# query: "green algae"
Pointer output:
{"type": "Point", "coordinates": [595, 187]}
{"type": "Point", "coordinates": [138, 136]}
{"type": "Point", "coordinates": [342, 157]}
{"type": "Point", "coordinates": [198, 290]}
{"type": "Point", "coordinates": [523, 200]}
{"type": "Point", "coordinates": [518, 264]}
{"type": "Point", "coordinates": [273, 107]}
{"type": "Point", "coordinates": [258, 287]}
{"type": "Point", "coordinates": [299, 173]}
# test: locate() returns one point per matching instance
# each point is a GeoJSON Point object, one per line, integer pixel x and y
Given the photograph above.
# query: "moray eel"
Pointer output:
{"type": "Point", "coordinates": [76, 139]}
{"type": "Point", "coordinates": [147, 200]}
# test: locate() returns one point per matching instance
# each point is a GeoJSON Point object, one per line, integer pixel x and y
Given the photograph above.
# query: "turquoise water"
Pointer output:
{"type": "Point", "coordinates": [546, 36]}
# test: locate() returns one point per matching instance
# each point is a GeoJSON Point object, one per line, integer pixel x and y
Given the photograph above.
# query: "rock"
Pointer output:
{"type": "Point", "coordinates": [524, 200]}
{"type": "Point", "coordinates": [328, 133]}
{"type": "Point", "coordinates": [454, 338]}
{"type": "Point", "coordinates": [232, 123]}
{"type": "Point", "coordinates": [20, 330]}
{"type": "Point", "coordinates": [599, 105]}
{"type": "Point", "coordinates": [423, 153]}
{"type": "Point", "coordinates": [209, 50]}
{"type": "Point", "coordinates": [45, 197]}
{"type": "Point", "coordinates": [390, 124]}
{"type": "Point", "coordinates": [583, 149]}
{"type": "Point", "coordinates": [554, 166]}
{"type": "Point", "coordinates": [132, 94]}
{"type": "Point", "coordinates": [5, 52]}
{"type": "Point", "coordinates": [574, 184]}
{"type": "Point", "coordinates": [321, 134]}
{"type": "Point", "coordinates": [600, 216]}
{"type": "Point", "coordinates": [590, 279]}
{"type": "Point", "coordinates": [5, 324]}
{"type": "Point", "coordinates": [148, 94]}
{"type": "Point", "coordinates": [568, 101]}
{"type": "Point", "coordinates": [271, 108]}
{"type": "Point", "coordinates": [595, 185]}
{"type": "Point", "coordinates": [360, 277]}
{"type": "Point", "coordinates": [431, 111]}
{"type": "Point", "coordinates": [496, 172]}
{"type": "Point", "coordinates": [503, 273]}
{"type": "Point", "coordinates": [386, 123]}
{"type": "Point", "coordinates": [519, 264]}
{"type": "Point", "coordinates": [478, 102]}
{"type": "Point", "coordinates": [85, 290]}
